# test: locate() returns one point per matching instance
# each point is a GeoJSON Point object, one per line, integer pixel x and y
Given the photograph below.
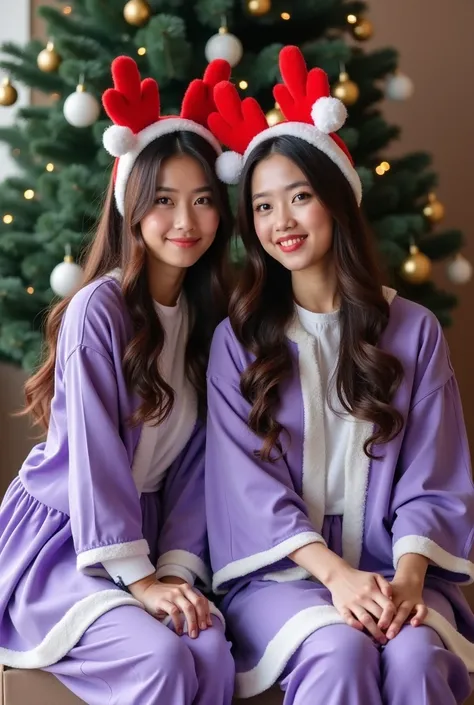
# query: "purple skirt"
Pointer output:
{"type": "Point", "coordinates": [46, 603]}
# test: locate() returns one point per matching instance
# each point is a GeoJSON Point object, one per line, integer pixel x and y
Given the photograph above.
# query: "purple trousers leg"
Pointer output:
{"type": "Point", "coordinates": [336, 665]}
{"type": "Point", "coordinates": [416, 668]}
{"type": "Point", "coordinates": [127, 657]}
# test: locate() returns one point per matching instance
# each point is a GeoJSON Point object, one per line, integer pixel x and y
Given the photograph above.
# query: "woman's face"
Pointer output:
{"type": "Point", "coordinates": [182, 223]}
{"type": "Point", "coordinates": [291, 223]}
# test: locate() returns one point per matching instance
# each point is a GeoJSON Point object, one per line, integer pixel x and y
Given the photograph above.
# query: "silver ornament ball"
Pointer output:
{"type": "Point", "coordinates": [81, 109]}
{"type": "Point", "coordinates": [224, 46]}
{"type": "Point", "coordinates": [459, 270]}
{"type": "Point", "coordinates": [66, 278]}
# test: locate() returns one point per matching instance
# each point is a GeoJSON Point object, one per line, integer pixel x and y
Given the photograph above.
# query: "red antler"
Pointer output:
{"type": "Point", "coordinates": [237, 122]}
{"type": "Point", "coordinates": [301, 89]}
{"type": "Point", "coordinates": [198, 101]}
{"type": "Point", "coordinates": [132, 103]}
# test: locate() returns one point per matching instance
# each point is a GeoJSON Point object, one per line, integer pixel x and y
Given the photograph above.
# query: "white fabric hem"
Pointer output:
{"type": "Point", "coordinates": [286, 576]}
{"type": "Point", "coordinates": [424, 546]}
{"type": "Point", "coordinates": [244, 566]}
{"type": "Point", "coordinates": [186, 559]}
{"type": "Point", "coordinates": [294, 632]}
{"type": "Point", "coordinates": [129, 570]}
{"type": "Point", "coordinates": [176, 571]}
{"type": "Point", "coordinates": [116, 550]}
{"type": "Point", "coordinates": [68, 631]}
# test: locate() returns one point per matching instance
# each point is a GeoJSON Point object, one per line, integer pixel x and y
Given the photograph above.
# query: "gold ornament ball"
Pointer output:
{"type": "Point", "coordinates": [416, 269]}
{"type": "Point", "coordinates": [259, 7]}
{"type": "Point", "coordinates": [346, 90]}
{"type": "Point", "coordinates": [49, 59]}
{"type": "Point", "coordinates": [363, 29]}
{"type": "Point", "coordinates": [274, 116]}
{"type": "Point", "coordinates": [137, 12]}
{"type": "Point", "coordinates": [434, 209]}
{"type": "Point", "coordinates": [8, 93]}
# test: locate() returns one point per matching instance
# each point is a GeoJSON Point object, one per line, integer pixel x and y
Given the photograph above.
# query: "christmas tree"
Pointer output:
{"type": "Point", "coordinates": [53, 204]}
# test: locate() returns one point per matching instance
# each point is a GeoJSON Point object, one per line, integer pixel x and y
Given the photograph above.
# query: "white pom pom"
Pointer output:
{"type": "Point", "coordinates": [229, 167]}
{"type": "Point", "coordinates": [119, 140]}
{"type": "Point", "coordinates": [329, 114]}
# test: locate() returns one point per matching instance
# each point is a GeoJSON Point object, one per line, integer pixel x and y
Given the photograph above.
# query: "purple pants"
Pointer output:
{"type": "Point", "coordinates": [337, 665]}
{"type": "Point", "coordinates": [127, 657]}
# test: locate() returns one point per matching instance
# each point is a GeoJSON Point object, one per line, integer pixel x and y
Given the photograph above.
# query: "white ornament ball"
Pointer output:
{"type": "Point", "coordinates": [459, 270]}
{"type": "Point", "coordinates": [66, 278]}
{"type": "Point", "coordinates": [399, 87]}
{"type": "Point", "coordinates": [81, 109]}
{"type": "Point", "coordinates": [224, 46]}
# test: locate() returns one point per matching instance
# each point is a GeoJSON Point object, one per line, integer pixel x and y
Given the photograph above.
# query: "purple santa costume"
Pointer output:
{"type": "Point", "coordinates": [417, 497]}
{"type": "Point", "coordinates": [102, 504]}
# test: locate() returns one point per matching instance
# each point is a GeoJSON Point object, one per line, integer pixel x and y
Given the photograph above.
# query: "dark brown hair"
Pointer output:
{"type": "Point", "coordinates": [118, 243]}
{"type": "Point", "coordinates": [262, 306]}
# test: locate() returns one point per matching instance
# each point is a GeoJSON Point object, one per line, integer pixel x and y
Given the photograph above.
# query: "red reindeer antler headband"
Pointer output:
{"type": "Point", "coordinates": [134, 107]}
{"type": "Point", "coordinates": [310, 111]}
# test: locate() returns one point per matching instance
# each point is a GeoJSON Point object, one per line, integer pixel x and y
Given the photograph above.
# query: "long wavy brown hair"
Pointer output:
{"type": "Point", "coordinates": [118, 242]}
{"type": "Point", "coordinates": [262, 307]}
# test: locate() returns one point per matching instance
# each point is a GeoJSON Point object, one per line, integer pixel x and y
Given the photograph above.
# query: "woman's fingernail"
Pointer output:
{"type": "Point", "coordinates": [203, 625]}
{"type": "Point", "coordinates": [194, 634]}
{"type": "Point", "coordinates": [390, 635]}
{"type": "Point", "coordinates": [180, 632]}
{"type": "Point", "coordinates": [209, 622]}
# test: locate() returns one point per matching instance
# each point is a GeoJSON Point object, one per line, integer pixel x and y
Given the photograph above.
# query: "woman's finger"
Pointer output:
{"type": "Point", "coordinates": [368, 623]}
{"type": "Point", "coordinates": [420, 615]}
{"type": "Point", "coordinates": [174, 612]}
{"type": "Point", "coordinates": [201, 605]}
{"type": "Point", "coordinates": [399, 620]}
{"type": "Point", "coordinates": [371, 607]}
{"type": "Point", "coordinates": [187, 608]}
{"type": "Point", "coordinates": [384, 586]}
{"type": "Point", "coordinates": [350, 620]}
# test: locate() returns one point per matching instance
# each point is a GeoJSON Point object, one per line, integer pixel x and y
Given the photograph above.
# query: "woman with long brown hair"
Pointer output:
{"type": "Point", "coordinates": [103, 533]}
{"type": "Point", "coordinates": [340, 500]}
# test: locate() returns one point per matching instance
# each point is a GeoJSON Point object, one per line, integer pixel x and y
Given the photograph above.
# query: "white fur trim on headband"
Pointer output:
{"type": "Point", "coordinates": [308, 133]}
{"type": "Point", "coordinates": [164, 126]}
{"type": "Point", "coordinates": [329, 114]}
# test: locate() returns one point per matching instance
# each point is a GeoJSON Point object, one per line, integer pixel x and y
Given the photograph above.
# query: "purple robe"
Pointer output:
{"type": "Point", "coordinates": [416, 497]}
{"type": "Point", "coordinates": [77, 500]}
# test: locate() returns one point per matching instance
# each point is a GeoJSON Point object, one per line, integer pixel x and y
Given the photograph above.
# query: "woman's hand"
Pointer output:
{"type": "Point", "coordinates": [363, 600]}
{"type": "Point", "coordinates": [161, 599]}
{"type": "Point", "coordinates": [408, 601]}
{"type": "Point", "coordinates": [407, 588]}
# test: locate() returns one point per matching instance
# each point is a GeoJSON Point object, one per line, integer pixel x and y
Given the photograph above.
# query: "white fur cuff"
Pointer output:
{"type": "Point", "coordinates": [439, 556]}
{"type": "Point", "coordinates": [112, 552]}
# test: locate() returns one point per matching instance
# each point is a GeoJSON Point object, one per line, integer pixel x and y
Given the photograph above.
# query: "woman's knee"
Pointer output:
{"type": "Point", "coordinates": [212, 650]}
{"type": "Point", "coordinates": [414, 651]}
{"type": "Point", "coordinates": [343, 644]}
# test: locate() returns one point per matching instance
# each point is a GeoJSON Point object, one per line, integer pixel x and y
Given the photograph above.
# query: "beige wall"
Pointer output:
{"type": "Point", "coordinates": [434, 39]}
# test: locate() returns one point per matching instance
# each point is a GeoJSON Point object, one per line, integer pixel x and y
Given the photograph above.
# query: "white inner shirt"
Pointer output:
{"type": "Point", "coordinates": [326, 331]}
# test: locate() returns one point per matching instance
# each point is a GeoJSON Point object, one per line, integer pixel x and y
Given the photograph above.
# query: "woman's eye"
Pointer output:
{"type": "Point", "coordinates": [163, 201]}
{"type": "Point", "coordinates": [204, 201]}
{"type": "Point", "coordinates": [303, 196]}
{"type": "Point", "coordinates": [261, 207]}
